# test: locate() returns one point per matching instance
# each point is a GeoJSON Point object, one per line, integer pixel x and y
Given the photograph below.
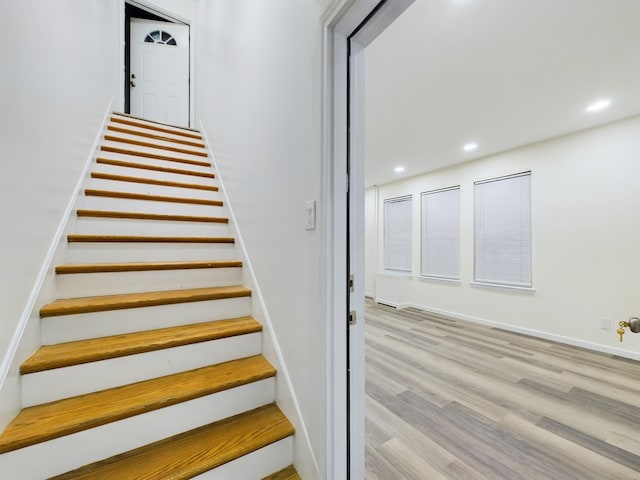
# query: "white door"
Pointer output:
{"type": "Point", "coordinates": [159, 74]}
{"type": "Point", "coordinates": [366, 32]}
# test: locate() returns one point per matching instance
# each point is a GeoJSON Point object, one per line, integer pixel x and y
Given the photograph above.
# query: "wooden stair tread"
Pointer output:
{"type": "Point", "coordinates": [66, 354]}
{"type": "Point", "coordinates": [140, 143]}
{"type": "Point", "coordinates": [129, 131]}
{"type": "Point", "coordinates": [145, 266]}
{"type": "Point", "coordinates": [70, 306]}
{"type": "Point", "coordinates": [151, 125]}
{"type": "Point", "coordinates": [288, 473]}
{"type": "Point", "coordinates": [78, 238]}
{"type": "Point", "coordinates": [47, 421]}
{"type": "Point", "coordinates": [93, 192]}
{"type": "Point", "coordinates": [150, 216]}
{"type": "Point", "coordinates": [190, 453]}
{"type": "Point", "coordinates": [148, 121]}
{"type": "Point", "coordinates": [157, 156]}
{"type": "Point", "coordinates": [194, 452]}
{"type": "Point", "coordinates": [154, 168]}
{"type": "Point", "coordinates": [152, 181]}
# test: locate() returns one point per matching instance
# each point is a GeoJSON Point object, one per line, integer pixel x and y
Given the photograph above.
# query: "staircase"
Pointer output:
{"type": "Point", "coordinates": [150, 365]}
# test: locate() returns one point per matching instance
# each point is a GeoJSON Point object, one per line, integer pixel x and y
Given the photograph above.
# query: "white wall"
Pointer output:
{"type": "Point", "coordinates": [258, 71]}
{"type": "Point", "coordinates": [586, 238]}
{"type": "Point", "coordinates": [371, 240]}
{"type": "Point", "coordinates": [59, 72]}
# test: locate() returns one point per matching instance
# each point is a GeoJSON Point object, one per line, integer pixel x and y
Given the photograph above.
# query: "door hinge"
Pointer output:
{"type": "Point", "coordinates": [353, 317]}
{"type": "Point", "coordinates": [351, 283]}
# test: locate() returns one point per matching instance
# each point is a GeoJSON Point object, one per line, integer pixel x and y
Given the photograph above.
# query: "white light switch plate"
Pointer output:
{"type": "Point", "coordinates": [310, 210]}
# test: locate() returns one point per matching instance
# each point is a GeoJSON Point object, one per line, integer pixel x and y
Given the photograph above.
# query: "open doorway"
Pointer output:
{"type": "Point", "coordinates": [157, 66]}
{"type": "Point", "coordinates": [558, 240]}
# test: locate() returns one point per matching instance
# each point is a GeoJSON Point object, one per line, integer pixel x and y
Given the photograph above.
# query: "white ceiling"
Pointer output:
{"type": "Point", "coordinates": [502, 73]}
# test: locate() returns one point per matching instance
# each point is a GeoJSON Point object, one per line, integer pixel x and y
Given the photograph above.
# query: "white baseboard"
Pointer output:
{"type": "Point", "coordinates": [531, 332]}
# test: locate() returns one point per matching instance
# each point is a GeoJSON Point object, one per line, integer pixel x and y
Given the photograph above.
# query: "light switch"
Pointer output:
{"type": "Point", "coordinates": [310, 210]}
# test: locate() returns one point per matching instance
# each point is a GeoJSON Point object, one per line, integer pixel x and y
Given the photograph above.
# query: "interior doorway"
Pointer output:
{"type": "Point", "coordinates": [429, 289]}
{"type": "Point", "coordinates": [373, 22]}
{"type": "Point", "coordinates": [157, 66]}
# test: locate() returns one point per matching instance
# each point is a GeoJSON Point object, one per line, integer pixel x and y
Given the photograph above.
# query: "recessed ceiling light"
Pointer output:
{"type": "Point", "coordinates": [398, 169]}
{"type": "Point", "coordinates": [598, 105]}
{"type": "Point", "coordinates": [470, 146]}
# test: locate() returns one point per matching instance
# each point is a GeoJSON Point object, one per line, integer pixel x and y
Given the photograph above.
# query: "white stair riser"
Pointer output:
{"type": "Point", "coordinates": [72, 451]}
{"type": "Point", "coordinates": [154, 161]}
{"type": "Point", "coordinates": [130, 226]}
{"type": "Point", "coordinates": [108, 252]}
{"type": "Point", "coordinates": [149, 126]}
{"type": "Point", "coordinates": [154, 141]}
{"type": "Point", "coordinates": [254, 465]}
{"type": "Point", "coordinates": [155, 151]}
{"type": "Point", "coordinates": [150, 189]}
{"type": "Point", "coordinates": [145, 173]}
{"type": "Point", "coordinates": [66, 382]}
{"type": "Point", "coordinates": [91, 202]}
{"type": "Point", "coordinates": [152, 132]}
{"type": "Point", "coordinates": [82, 326]}
{"type": "Point", "coordinates": [112, 283]}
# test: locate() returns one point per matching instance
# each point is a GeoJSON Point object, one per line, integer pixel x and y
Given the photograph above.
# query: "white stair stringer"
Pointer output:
{"type": "Point", "coordinates": [78, 449]}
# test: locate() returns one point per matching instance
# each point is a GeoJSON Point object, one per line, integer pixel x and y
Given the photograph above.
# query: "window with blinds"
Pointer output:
{"type": "Point", "coordinates": [440, 240]}
{"type": "Point", "coordinates": [502, 230]}
{"type": "Point", "coordinates": [397, 234]}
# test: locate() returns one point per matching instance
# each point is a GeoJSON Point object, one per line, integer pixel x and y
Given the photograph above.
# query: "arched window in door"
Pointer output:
{"type": "Point", "coordinates": [160, 37]}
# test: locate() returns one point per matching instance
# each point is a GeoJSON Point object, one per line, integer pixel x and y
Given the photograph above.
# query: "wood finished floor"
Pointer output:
{"type": "Point", "coordinates": [447, 399]}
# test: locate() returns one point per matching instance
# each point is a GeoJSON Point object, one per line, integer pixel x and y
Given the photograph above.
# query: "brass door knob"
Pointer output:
{"type": "Point", "coordinates": [633, 323]}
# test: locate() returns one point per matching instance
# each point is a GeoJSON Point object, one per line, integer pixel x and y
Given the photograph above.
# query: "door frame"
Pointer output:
{"type": "Point", "coordinates": [347, 25]}
{"type": "Point", "coordinates": [172, 17]}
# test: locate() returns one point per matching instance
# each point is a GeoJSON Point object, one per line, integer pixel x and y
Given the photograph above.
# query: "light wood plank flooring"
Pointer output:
{"type": "Point", "coordinates": [447, 399]}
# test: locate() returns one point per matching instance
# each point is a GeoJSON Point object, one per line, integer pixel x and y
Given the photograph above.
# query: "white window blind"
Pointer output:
{"type": "Point", "coordinates": [397, 234]}
{"type": "Point", "coordinates": [503, 230]}
{"type": "Point", "coordinates": [441, 233]}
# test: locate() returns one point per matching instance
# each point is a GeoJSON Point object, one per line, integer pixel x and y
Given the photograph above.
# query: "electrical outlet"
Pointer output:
{"type": "Point", "coordinates": [605, 324]}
